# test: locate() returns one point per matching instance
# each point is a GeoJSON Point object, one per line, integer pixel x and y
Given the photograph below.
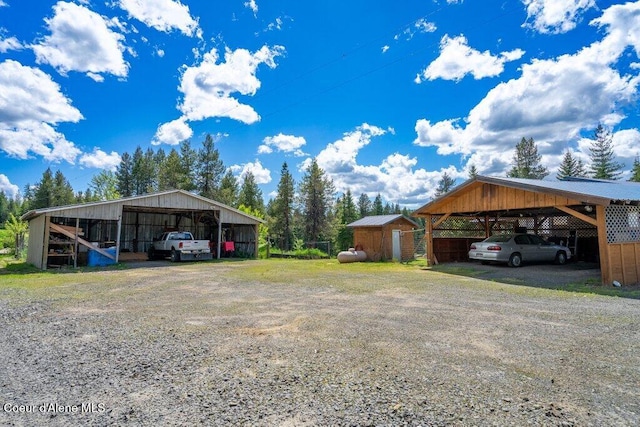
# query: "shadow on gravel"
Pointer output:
{"type": "Point", "coordinates": [573, 277]}
{"type": "Point", "coordinates": [21, 267]}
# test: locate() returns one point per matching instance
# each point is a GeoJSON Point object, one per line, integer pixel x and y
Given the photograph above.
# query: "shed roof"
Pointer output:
{"type": "Point", "coordinates": [159, 199]}
{"type": "Point", "coordinates": [587, 190]}
{"type": "Point", "coordinates": [380, 220]}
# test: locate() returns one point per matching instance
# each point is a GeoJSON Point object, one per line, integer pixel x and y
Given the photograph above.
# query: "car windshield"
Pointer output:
{"type": "Point", "coordinates": [498, 238]}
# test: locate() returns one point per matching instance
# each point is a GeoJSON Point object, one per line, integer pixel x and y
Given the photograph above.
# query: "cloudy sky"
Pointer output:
{"type": "Point", "coordinates": [386, 95]}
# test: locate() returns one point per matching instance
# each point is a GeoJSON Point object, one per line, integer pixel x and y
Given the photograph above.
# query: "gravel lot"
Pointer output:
{"type": "Point", "coordinates": [303, 343]}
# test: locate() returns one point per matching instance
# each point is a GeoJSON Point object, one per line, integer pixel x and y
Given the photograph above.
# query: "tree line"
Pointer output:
{"type": "Point", "coordinates": [306, 211]}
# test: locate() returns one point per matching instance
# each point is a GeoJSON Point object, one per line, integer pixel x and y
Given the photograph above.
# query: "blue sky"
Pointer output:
{"type": "Point", "coordinates": [387, 96]}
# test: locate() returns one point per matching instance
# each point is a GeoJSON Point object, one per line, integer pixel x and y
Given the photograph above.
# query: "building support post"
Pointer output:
{"type": "Point", "coordinates": [603, 246]}
{"type": "Point", "coordinates": [118, 237]}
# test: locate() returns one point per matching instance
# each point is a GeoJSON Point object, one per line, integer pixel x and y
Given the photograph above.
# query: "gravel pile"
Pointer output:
{"type": "Point", "coordinates": [175, 346]}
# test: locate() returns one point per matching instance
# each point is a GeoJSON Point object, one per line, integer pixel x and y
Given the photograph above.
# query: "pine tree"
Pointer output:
{"type": "Point", "coordinates": [124, 176]}
{"type": "Point", "coordinates": [210, 169]}
{"type": "Point", "coordinates": [104, 186]}
{"type": "Point", "coordinates": [570, 166]}
{"type": "Point", "coordinates": [364, 205]}
{"type": "Point", "coordinates": [346, 213]}
{"type": "Point", "coordinates": [189, 162]}
{"type": "Point", "coordinates": [526, 161]}
{"type": "Point", "coordinates": [603, 165]}
{"type": "Point", "coordinates": [282, 209]}
{"type": "Point", "coordinates": [229, 189]}
{"type": "Point", "coordinates": [4, 207]}
{"type": "Point", "coordinates": [445, 184]}
{"type": "Point", "coordinates": [316, 195]}
{"type": "Point", "coordinates": [473, 172]}
{"type": "Point", "coordinates": [635, 172]}
{"type": "Point", "coordinates": [62, 190]}
{"type": "Point", "coordinates": [250, 194]}
{"type": "Point", "coordinates": [378, 207]}
{"type": "Point", "coordinates": [170, 173]}
{"type": "Point", "coordinates": [43, 196]}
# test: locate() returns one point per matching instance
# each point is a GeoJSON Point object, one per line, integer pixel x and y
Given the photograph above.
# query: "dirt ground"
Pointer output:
{"type": "Point", "coordinates": [301, 343]}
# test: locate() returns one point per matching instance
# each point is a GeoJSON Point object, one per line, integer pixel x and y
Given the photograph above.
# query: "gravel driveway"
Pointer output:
{"type": "Point", "coordinates": [302, 343]}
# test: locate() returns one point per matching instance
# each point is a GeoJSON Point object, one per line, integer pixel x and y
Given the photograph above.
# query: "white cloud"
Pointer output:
{"type": "Point", "coordinates": [552, 101]}
{"type": "Point", "coordinates": [260, 173]}
{"type": "Point", "coordinates": [6, 187]}
{"type": "Point", "coordinates": [555, 16]}
{"type": "Point", "coordinates": [172, 133]}
{"type": "Point", "coordinates": [424, 26]}
{"type": "Point", "coordinates": [394, 178]}
{"type": "Point", "coordinates": [283, 143]}
{"type": "Point", "coordinates": [385, 48]}
{"type": "Point", "coordinates": [163, 15]}
{"type": "Point", "coordinates": [3, 4]}
{"type": "Point", "coordinates": [81, 40]}
{"type": "Point", "coordinates": [31, 104]}
{"type": "Point", "coordinates": [10, 43]}
{"type": "Point", "coordinates": [457, 59]}
{"type": "Point", "coordinates": [100, 160]}
{"type": "Point", "coordinates": [207, 87]}
{"type": "Point", "coordinates": [251, 4]}
{"type": "Point", "coordinates": [159, 52]}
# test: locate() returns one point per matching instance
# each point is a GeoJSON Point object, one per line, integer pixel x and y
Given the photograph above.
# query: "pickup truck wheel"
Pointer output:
{"type": "Point", "coordinates": [175, 256]}
{"type": "Point", "coordinates": [151, 254]}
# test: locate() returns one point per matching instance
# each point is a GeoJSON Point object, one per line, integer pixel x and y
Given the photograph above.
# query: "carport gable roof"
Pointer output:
{"type": "Point", "coordinates": [133, 201]}
{"type": "Point", "coordinates": [380, 221]}
{"type": "Point", "coordinates": [584, 190]}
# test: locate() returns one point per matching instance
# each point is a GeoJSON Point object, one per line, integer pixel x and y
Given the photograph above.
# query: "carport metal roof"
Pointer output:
{"type": "Point", "coordinates": [583, 191]}
{"type": "Point", "coordinates": [379, 220]}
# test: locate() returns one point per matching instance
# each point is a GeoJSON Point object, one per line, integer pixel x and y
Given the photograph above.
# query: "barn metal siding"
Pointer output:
{"type": "Point", "coordinates": [36, 238]}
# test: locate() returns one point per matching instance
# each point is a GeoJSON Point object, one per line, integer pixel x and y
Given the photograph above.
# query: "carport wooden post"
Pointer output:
{"type": "Point", "coordinates": [75, 244]}
{"type": "Point", "coordinates": [603, 246]}
{"type": "Point", "coordinates": [257, 237]}
{"type": "Point", "coordinates": [429, 238]}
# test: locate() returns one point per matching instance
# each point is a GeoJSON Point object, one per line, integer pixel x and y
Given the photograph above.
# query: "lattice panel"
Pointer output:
{"type": "Point", "coordinates": [459, 227]}
{"type": "Point", "coordinates": [623, 223]}
{"type": "Point", "coordinates": [560, 226]}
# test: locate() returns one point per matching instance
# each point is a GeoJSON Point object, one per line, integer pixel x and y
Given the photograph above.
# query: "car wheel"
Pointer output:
{"type": "Point", "coordinates": [175, 256]}
{"type": "Point", "coordinates": [151, 254]}
{"type": "Point", "coordinates": [515, 260]}
{"type": "Point", "coordinates": [561, 258]}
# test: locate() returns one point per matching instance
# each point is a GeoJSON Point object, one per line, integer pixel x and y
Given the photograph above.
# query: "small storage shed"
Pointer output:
{"type": "Point", "coordinates": [598, 219]}
{"type": "Point", "coordinates": [123, 229]}
{"type": "Point", "coordinates": [374, 234]}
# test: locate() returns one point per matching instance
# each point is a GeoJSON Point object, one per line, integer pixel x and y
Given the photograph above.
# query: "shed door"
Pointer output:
{"type": "Point", "coordinates": [396, 246]}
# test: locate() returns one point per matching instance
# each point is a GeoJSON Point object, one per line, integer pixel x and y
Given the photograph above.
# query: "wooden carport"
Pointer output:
{"type": "Point", "coordinates": [603, 214]}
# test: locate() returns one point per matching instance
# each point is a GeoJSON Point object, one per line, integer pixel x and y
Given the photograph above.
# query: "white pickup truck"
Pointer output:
{"type": "Point", "coordinates": [179, 245]}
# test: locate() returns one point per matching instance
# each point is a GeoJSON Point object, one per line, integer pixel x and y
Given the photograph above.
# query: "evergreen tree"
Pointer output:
{"type": "Point", "coordinates": [210, 169]}
{"type": "Point", "coordinates": [473, 172]}
{"type": "Point", "coordinates": [189, 162]}
{"type": "Point", "coordinates": [570, 166]}
{"type": "Point", "coordinates": [229, 189]}
{"type": "Point", "coordinates": [250, 194]}
{"type": "Point", "coordinates": [364, 205]}
{"type": "Point", "coordinates": [526, 161]}
{"type": "Point", "coordinates": [378, 207]}
{"type": "Point", "coordinates": [635, 172]}
{"type": "Point", "coordinates": [62, 191]}
{"type": "Point", "coordinates": [603, 165]}
{"type": "Point", "coordinates": [282, 209]}
{"type": "Point", "coordinates": [4, 207]}
{"type": "Point", "coordinates": [143, 171]}
{"type": "Point", "coordinates": [346, 212]}
{"type": "Point", "coordinates": [170, 173]}
{"type": "Point", "coordinates": [124, 177]}
{"type": "Point", "coordinates": [445, 184]}
{"type": "Point", "coordinates": [388, 209]}
{"type": "Point", "coordinates": [104, 186]}
{"type": "Point", "coordinates": [43, 194]}
{"type": "Point", "coordinates": [316, 195]}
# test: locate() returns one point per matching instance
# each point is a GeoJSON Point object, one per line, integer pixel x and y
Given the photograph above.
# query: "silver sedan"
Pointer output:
{"type": "Point", "coordinates": [514, 249]}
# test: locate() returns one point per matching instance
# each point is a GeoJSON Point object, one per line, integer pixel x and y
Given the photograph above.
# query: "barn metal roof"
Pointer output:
{"type": "Point", "coordinates": [130, 202]}
{"type": "Point", "coordinates": [379, 220]}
